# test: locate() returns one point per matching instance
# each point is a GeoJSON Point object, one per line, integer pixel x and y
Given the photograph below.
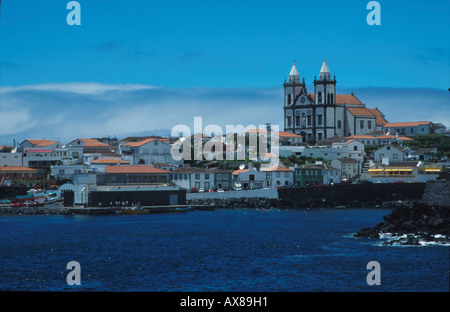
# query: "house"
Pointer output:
{"type": "Point", "coordinates": [248, 178]}
{"type": "Point", "coordinates": [66, 172]}
{"type": "Point", "coordinates": [201, 178]}
{"type": "Point", "coordinates": [17, 174]}
{"type": "Point", "coordinates": [438, 128]}
{"type": "Point", "coordinates": [11, 159]}
{"type": "Point", "coordinates": [288, 138]}
{"type": "Point", "coordinates": [42, 144]}
{"type": "Point", "coordinates": [389, 152]}
{"type": "Point", "coordinates": [92, 146]}
{"type": "Point", "coordinates": [350, 167]}
{"type": "Point", "coordinates": [425, 154]}
{"type": "Point", "coordinates": [133, 175]}
{"type": "Point", "coordinates": [316, 174]}
{"type": "Point", "coordinates": [278, 176]}
{"type": "Point", "coordinates": [164, 166]}
{"type": "Point", "coordinates": [408, 128]}
{"type": "Point", "coordinates": [148, 151]}
{"type": "Point", "coordinates": [379, 139]}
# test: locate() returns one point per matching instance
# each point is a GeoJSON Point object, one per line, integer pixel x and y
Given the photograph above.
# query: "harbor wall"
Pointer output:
{"type": "Point", "coordinates": [348, 194]}
{"type": "Point", "coordinates": [260, 193]}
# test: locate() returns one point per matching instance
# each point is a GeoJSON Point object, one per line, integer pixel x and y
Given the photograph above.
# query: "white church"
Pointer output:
{"type": "Point", "coordinates": [324, 113]}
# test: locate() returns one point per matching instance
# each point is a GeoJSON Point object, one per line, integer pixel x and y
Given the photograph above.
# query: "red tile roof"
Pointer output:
{"type": "Point", "coordinates": [140, 143]}
{"type": "Point", "coordinates": [342, 99]}
{"type": "Point", "coordinates": [360, 111]}
{"type": "Point", "coordinates": [16, 169]}
{"type": "Point", "coordinates": [91, 143]}
{"type": "Point", "coordinates": [42, 142]}
{"type": "Point", "coordinates": [406, 124]}
{"type": "Point", "coordinates": [133, 169]}
{"type": "Point", "coordinates": [379, 116]}
{"type": "Point", "coordinates": [277, 168]}
{"type": "Point", "coordinates": [288, 135]}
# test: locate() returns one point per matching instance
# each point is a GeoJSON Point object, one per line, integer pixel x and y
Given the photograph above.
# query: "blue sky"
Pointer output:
{"type": "Point", "coordinates": [239, 52]}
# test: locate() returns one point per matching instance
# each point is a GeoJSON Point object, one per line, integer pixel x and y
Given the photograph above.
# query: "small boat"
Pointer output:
{"type": "Point", "coordinates": [133, 211]}
{"type": "Point", "coordinates": [340, 207]}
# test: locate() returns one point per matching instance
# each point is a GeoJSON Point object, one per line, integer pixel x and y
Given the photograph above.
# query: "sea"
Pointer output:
{"type": "Point", "coordinates": [222, 250]}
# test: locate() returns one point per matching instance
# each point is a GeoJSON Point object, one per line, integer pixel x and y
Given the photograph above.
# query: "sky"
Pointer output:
{"type": "Point", "coordinates": [141, 67]}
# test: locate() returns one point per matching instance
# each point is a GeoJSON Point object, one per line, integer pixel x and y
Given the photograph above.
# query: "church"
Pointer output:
{"type": "Point", "coordinates": [325, 114]}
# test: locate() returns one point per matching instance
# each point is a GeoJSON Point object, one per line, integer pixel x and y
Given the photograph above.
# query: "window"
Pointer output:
{"type": "Point", "coordinates": [319, 119]}
{"type": "Point", "coordinates": [369, 124]}
{"type": "Point", "coordinates": [355, 148]}
{"type": "Point", "coordinates": [278, 174]}
{"type": "Point", "coordinates": [339, 125]}
{"type": "Point", "coordinates": [225, 176]}
{"type": "Point", "coordinates": [309, 120]}
{"type": "Point", "coordinates": [319, 136]}
{"type": "Point", "coordinates": [219, 176]}
{"type": "Point", "coordinates": [361, 124]}
{"type": "Point", "coordinates": [289, 99]}
{"type": "Point", "coordinates": [207, 176]}
{"type": "Point", "coordinates": [297, 121]}
{"type": "Point", "coordinates": [319, 97]}
{"type": "Point", "coordinates": [197, 176]}
{"type": "Point", "coordinates": [288, 121]}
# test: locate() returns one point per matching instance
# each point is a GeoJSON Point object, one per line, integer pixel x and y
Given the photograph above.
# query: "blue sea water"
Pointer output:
{"type": "Point", "coordinates": [234, 250]}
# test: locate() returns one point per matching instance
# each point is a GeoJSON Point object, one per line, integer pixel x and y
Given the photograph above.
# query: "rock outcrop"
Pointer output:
{"type": "Point", "coordinates": [412, 222]}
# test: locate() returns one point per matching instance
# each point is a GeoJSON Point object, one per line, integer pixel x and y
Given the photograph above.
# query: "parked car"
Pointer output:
{"type": "Point", "coordinates": [201, 190]}
{"type": "Point", "coordinates": [220, 190]}
{"type": "Point", "coordinates": [193, 190]}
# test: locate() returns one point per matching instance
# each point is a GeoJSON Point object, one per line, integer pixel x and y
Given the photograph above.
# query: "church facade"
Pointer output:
{"type": "Point", "coordinates": [324, 113]}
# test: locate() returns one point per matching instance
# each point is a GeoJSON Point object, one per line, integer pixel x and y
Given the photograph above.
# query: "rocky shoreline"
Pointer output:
{"type": "Point", "coordinates": [411, 223]}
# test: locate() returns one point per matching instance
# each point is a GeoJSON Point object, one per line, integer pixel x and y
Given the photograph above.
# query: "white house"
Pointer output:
{"type": "Point", "coordinates": [278, 176]}
{"type": "Point", "coordinates": [100, 164]}
{"type": "Point", "coordinates": [350, 168]}
{"type": "Point", "coordinates": [148, 151]}
{"type": "Point", "coordinates": [388, 152]}
{"type": "Point", "coordinates": [250, 177]}
{"type": "Point", "coordinates": [201, 178]}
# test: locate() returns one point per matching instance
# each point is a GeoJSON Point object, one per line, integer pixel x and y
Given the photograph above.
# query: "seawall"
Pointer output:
{"type": "Point", "coordinates": [357, 195]}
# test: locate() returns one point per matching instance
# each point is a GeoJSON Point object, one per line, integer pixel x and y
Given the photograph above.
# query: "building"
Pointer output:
{"type": "Point", "coordinates": [148, 151]}
{"type": "Point", "coordinates": [403, 172]}
{"type": "Point", "coordinates": [249, 177]}
{"type": "Point", "coordinates": [325, 113]}
{"type": "Point", "coordinates": [350, 168]}
{"type": "Point", "coordinates": [316, 174]}
{"type": "Point", "coordinates": [17, 174]}
{"type": "Point", "coordinates": [379, 139]}
{"type": "Point", "coordinates": [201, 178]}
{"type": "Point", "coordinates": [408, 128]}
{"type": "Point", "coordinates": [93, 146]}
{"type": "Point", "coordinates": [133, 175]}
{"type": "Point", "coordinates": [278, 176]}
{"type": "Point", "coordinates": [425, 154]}
{"type": "Point", "coordinates": [11, 159]}
{"type": "Point", "coordinates": [388, 153]}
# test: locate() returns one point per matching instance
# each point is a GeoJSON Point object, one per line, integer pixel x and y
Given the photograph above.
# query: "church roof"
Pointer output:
{"type": "Point", "coordinates": [294, 71]}
{"type": "Point", "coordinates": [324, 68]}
{"type": "Point", "coordinates": [360, 111]}
{"type": "Point", "coordinates": [343, 99]}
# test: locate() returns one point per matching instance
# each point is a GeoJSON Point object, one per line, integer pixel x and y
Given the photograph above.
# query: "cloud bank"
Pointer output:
{"type": "Point", "coordinates": [86, 110]}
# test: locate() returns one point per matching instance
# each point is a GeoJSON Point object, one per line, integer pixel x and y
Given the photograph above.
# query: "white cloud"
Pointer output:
{"type": "Point", "coordinates": [66, 111]}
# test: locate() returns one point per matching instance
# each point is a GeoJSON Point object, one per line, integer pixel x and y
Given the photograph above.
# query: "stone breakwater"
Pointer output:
{"type": "Point", "coordinates": [243, 202]}
{"type": "Point", "coordinates": [34, 210]}
{"type": "Point", "coordinates": [412, 223]}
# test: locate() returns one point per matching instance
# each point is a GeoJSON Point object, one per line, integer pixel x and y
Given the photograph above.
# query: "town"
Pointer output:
{"type": "Point", "coordinates": [328, 139]}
